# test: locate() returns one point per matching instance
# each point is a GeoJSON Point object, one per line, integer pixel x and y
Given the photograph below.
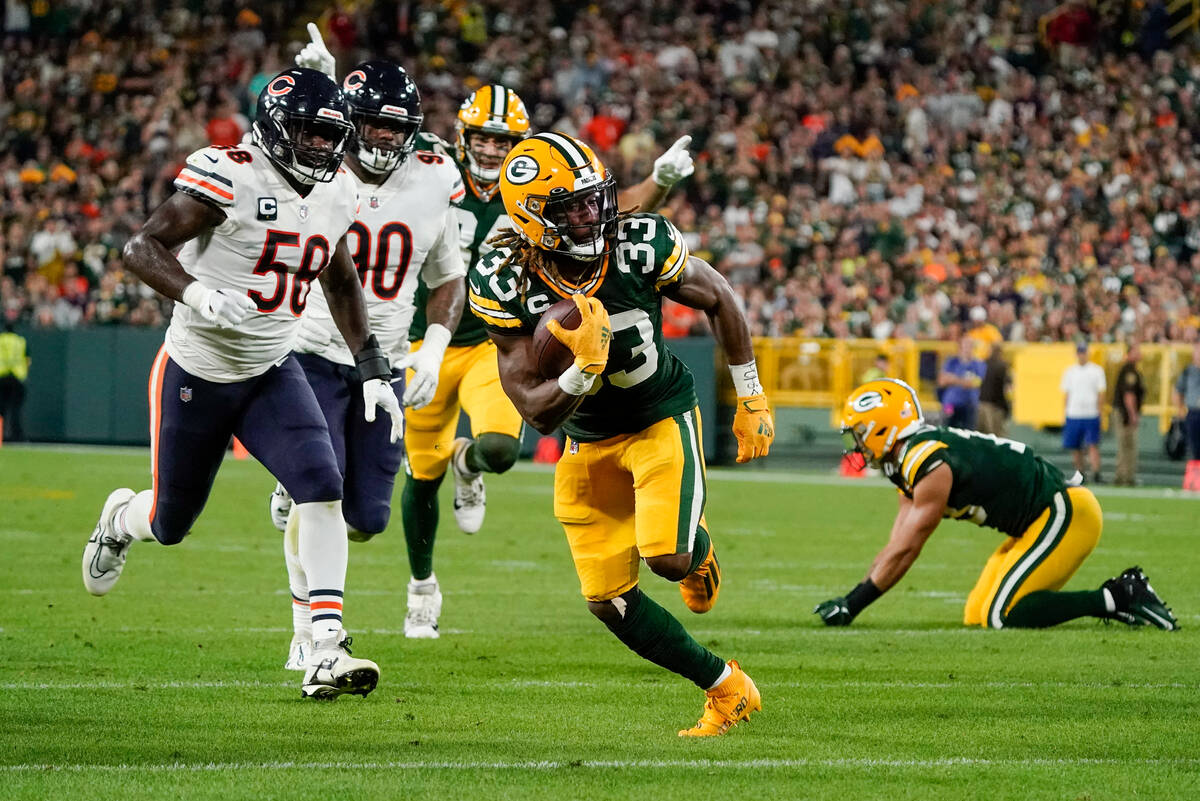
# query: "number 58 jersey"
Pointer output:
{"type": "Point", "coordinates": [272, 245]}
{"type": "Point", "coordinates": [643, 382]}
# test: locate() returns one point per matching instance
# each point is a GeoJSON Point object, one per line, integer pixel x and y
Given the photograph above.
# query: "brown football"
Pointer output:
{"type": "Point", "coordinates": [553, 357]}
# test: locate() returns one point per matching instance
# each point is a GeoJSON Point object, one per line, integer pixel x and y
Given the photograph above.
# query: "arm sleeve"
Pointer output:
{"type": "Point", "coordinates": [444, 262]}
{"type": "Point", "coordinates": [207, 176]}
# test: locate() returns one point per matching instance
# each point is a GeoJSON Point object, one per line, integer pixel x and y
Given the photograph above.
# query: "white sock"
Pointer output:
{"type": "Point", "coordinates": [297, 581]}
{"type": "Point", "coordinates": [1110, 605]}
{"type": "Point", "coordinates": [323, 555]}
{"type": "Point", "coordinates": [413, 583]}
{"type": "Point", "coordinates": [726, 673]}
{"type": "Point", "coordinates": [460, 461]}
{"type": "Point", "coordinates": [134, 519]}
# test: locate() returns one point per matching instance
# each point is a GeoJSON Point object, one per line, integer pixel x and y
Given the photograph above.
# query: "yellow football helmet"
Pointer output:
{"type": "Point", "coordinates": [560, 196]}
{"type": "Point", "coordinates": [494, 110]}
{"type": "Point", "coordinates": [877, 415]}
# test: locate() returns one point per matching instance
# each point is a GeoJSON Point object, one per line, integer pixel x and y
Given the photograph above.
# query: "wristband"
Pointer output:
{"type": "Point", "coordinates": [195, 296]}
{"type": "Point", "coordinates": [745, 379]}
{"type": "Point", "coordinates": [437, 337]}
{"type": "Point", "coordinates": [574, 381]}
{"type": "Point", "coordinates": [372, 362]}
{"type": "Point", "coordinates": [861, 596]}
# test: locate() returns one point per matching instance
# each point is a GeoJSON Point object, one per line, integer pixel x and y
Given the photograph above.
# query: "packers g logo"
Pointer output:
{"type": "Point", "coordinates": [521, 170]}
{"type": "Point", "coordinates": [867, 401]}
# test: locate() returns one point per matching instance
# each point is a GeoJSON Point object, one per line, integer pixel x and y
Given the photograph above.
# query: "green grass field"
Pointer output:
{"type": "Point", "coordinates": [171, 686]}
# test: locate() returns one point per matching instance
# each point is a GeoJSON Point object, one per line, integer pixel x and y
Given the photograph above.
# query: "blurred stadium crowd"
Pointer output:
{"type": "Point", "coordinates": [871, 168]}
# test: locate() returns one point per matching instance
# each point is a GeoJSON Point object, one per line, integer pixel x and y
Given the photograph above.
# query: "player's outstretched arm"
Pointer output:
{"type": "Point", "coordinates": [544, 404]}
{"type": "Point", "coordinates": [149, 255]}
{"type": "Point", "coordinates": [701, 287]}
{"type": "Point", "coordinates": [915, 521]}
{"type": "Point", "coordinates": [669, 169]}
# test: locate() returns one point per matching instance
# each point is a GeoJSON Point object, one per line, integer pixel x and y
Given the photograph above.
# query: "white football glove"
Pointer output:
{"type": "Point", "coordinates": [226, 308]}
{"type": "Point", "coordinates": [311, 336]}
{"type": "Point", "coordinates": [315, 55]}
{"type": "Point", "coordinates": [425, 364]}
{"type": "Point", "coordinates": [377, 392]}
{"type": "Point", "coordinates": [676, 164]}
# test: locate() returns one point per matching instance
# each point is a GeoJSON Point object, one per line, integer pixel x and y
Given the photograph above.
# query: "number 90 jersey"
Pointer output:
{"type": "Point", "coordinates": [272, 245]}
{"type": "Point", "coordinates": [406, 226]}
{"type": "Point", "coordinates": [643, 381]}
{"type": "Point", "coordinates": [996, 482]}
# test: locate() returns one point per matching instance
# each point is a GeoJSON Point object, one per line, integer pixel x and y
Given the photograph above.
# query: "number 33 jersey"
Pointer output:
{"type": "Point", "coordinates": [406, 226]}
{"type": "Point", "coordinates": [643, 381]}
{"type": "Point", "coordinates": [272, 245]}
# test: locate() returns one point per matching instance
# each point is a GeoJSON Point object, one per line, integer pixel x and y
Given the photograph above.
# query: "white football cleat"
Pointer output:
{"type": "Point", "coordinates": [470, 498]}
{"type": "Point", "coordinates": [424, 608]}
{"type": "Point", "coordinates": [280, 506]}
{"type": "Point", "coordinates": [332, 671]}
{"type": "Point", "coordinates": [105, 552]}
{"type": "Point", "coordinates": [298, 653]}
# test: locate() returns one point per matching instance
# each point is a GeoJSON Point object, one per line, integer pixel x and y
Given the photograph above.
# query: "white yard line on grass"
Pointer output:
{"type": "Point", "coordinates": [18, 686]}
{"type": "Point", "coordinates": [618, 764]}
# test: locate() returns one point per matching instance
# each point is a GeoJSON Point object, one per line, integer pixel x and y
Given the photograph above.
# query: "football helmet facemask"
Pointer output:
{"type": "Point", "coordinates": [491, 110]}
{"type": "Point", "coordinates": [385, 110]}
{"type": "Point", "coordinates": [876, 416]}
{"type": "Point", "coordinates": [302, 123]}
{"type": "Point", "coordinates": [559, 196]}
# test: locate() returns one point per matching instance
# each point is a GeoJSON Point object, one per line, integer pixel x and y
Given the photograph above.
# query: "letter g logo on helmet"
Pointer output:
{"type": "Point", "coordinates": [867, 401]}
{"type": "Point", "coordinates": [521, 170]}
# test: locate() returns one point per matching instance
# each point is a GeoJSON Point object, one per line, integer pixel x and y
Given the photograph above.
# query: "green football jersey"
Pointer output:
{"type": "Point", "coordinates": [643, 382]}
{"type": "Point", "coordinates": [478, 221]}
{"type": "Point", "coordinates": [996, 482]}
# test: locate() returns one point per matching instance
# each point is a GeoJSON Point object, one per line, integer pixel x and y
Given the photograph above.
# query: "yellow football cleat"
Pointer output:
{"type": "Point", "coordinates": [729, 703]}
{"type": "Point", "coordinates": [701, 587]}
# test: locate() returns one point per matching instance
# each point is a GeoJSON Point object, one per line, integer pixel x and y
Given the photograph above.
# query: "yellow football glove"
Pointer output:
{"type": "Point", "coordinates": [753, 427]}
{"type": "Point", "coordinates": [589, 342]}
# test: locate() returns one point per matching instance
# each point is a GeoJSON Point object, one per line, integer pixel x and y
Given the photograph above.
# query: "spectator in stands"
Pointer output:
{"type": "Point", "coordinates": [1083, 385]}
{"type": "Point", "coordinates": [878, 369]}
{"type": "Point", "coordinates": [14, 369]}
{"type": "Point", "coordinates": [1186, 397]}
{"type": "Point", "coordinates": [959, 383]}
{"type": "Point", "coordinates": [993, 394]}
{"type": "Point", "coordinates": [1128, 392]}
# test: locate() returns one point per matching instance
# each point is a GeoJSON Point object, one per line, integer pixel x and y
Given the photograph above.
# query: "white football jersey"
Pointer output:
{"type": "Point", "coordinates": [272, 245]}
{"type": "Point", "coordinates": [406, 226]}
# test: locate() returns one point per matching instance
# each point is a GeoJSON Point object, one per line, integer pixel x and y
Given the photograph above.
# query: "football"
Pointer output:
{"type": "Point", "coordinates": [551, 356]}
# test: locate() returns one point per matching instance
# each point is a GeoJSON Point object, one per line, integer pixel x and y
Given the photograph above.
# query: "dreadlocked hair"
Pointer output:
{"type": "Point", "coordinates": [523, 253]}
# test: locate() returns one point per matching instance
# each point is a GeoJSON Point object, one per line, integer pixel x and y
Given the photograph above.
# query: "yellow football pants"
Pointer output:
{"type": "Point", "coordinates": [629, 497]}
{"type": "Point", "coordinates": [469, 380]}
{"type": "Point", "coordinates": [1042, 558]}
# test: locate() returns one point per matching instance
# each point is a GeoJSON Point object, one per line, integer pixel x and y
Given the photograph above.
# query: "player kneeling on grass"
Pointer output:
{"type": "Point", "coordinates": [630, 486]}
{"type": "Point", "coordinates": [1052, 524]}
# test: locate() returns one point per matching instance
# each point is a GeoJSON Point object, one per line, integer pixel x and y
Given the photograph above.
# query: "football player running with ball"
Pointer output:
{"type": "Point", "coordinates": [631, 484]}
{"type": "Point", "coordinates": [489, 123]}
{"type": "Point", "coordinates": [257, 224]}
{"type": "Point", "coordinates": [405, 226]}
{"type": "Point", "coordinates": [1052, 524]}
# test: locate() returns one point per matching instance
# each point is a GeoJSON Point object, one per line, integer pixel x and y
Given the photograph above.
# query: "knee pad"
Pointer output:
{"type": "Point", "coordinates": [497, 452]}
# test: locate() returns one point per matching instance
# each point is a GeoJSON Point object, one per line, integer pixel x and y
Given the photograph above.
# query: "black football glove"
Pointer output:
{"type": "Point", "coordinates": [834, 612]}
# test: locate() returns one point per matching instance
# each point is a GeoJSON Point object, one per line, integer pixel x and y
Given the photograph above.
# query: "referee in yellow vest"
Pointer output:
{"type": "Point", "coordinates": [14, 369]}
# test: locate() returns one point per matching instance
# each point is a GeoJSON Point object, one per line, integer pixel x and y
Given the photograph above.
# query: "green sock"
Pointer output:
{"type": "Point", "coordinates": [699, 548]}
{"type": "Point", "coordinates": [419, 510]}
{"type": "Point", "coordinates": [653, 634]}
{"type": "Point", "coordinates": [1044, 608]}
